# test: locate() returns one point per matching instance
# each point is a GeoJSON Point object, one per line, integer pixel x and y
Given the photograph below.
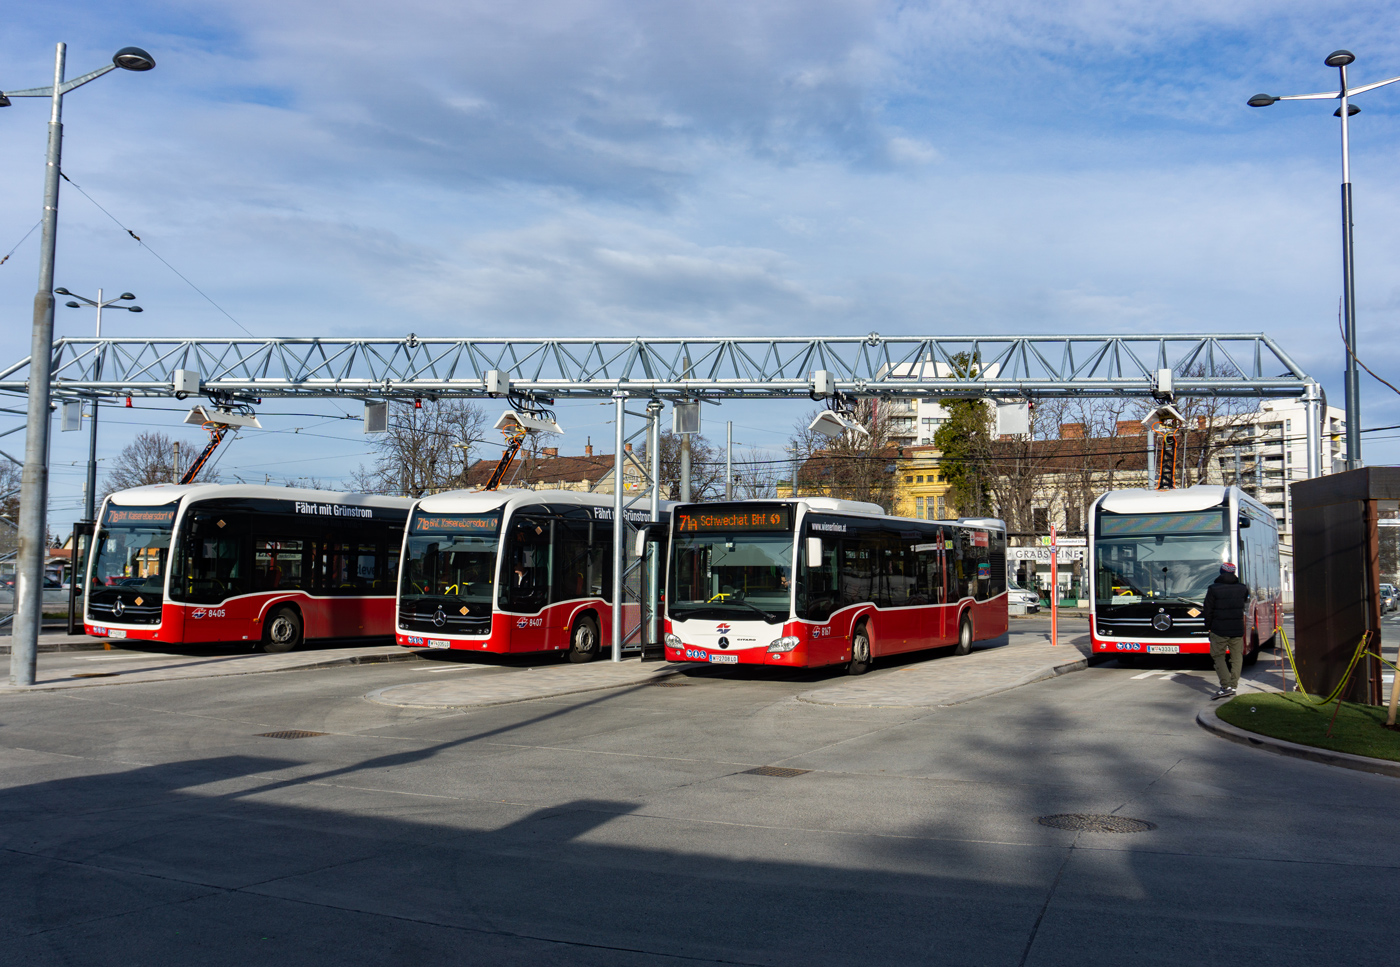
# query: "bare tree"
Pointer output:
{"type": "Point", "coordinates": [706, 468]}
{"type": "Point", "coordinates": [854, 467]}
{"type": "Point", "coordinates": [425, 450]}
{"type": "Point", "coordinates": [150, 459]}
{"type": "Point", "coordinates": [755, 475]}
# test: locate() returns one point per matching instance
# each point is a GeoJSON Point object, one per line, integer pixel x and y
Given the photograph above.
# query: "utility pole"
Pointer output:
{"type": "Point", "coordinates": [729, 460]}
{"type": "Point", "coordinates": [685, 446]}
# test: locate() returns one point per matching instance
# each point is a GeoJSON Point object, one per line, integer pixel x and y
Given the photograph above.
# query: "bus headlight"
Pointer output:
{"type": "Point", "coordinates": [673, 641]}
{"type": "Point", "coordinates": [784, 644]}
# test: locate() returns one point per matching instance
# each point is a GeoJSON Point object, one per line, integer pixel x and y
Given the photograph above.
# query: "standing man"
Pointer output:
{"type": "Point", "coordinates": [1224, 619]}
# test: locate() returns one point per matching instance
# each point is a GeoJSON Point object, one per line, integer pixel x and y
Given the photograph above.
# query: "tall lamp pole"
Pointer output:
{"type": "Point", "coordinates": [90, 500]}
{"type": "Point", "coordinates": [1340, 59]}
{"type": "Point", "coordinates": [34, 485]}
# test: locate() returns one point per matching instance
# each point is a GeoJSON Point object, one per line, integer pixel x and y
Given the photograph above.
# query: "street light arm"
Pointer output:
{"type": "Point", "coordinates": [1326, 96]}
{"type": "Point", "coordinates": [1370, 87]}
{"type": "Point", "coordinates": [32, 92]}
{"type": "Point", "coordinates": [67, 86]}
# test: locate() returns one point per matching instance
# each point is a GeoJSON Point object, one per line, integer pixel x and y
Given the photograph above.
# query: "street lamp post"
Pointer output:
{"type": "Point", "coordinates": [1340, 59]}
{"type": "Point", "coordinates": [33, 530]}
{"type": "Point", "coordinates": [90, 500]}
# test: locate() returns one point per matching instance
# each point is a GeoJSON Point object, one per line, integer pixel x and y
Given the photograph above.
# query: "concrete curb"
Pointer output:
{"type": "Point", "coordinates": [1207, 719]}
{"type": "Point", "coordinates": [374, 696]}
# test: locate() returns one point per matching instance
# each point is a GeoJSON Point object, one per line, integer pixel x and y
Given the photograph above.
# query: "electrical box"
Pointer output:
{"type": "Point", "coordinates": [685, 417]}
{"type": "Point", "coordinates": [497, 382]}
{"type": "Point", "coordinates": [1013, 419]}
{"type": "Point", "coordinates": [376, 417]}
{"type": "Point", "coordinates": [185, 382]}
{"type": "Point", "coordinates": [1162, 386]}
{"type": "Point", "coordinates": [72, 415]}
{"type": "Point", "coordinates": [823, 383]}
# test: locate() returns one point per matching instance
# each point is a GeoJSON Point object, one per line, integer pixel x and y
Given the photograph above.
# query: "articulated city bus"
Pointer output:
{"type": "Point", "coordinates": [511, 571]}
{"type": "Point", "coordinates": [272, 565]}
{"type": "Point", "coordinates": [866, 585]}
{"type": "Point", "coordinates": [1153, 553]}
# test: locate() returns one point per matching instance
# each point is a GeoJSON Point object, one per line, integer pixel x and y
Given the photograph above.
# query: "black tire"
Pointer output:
{"type": "Point", "coordinates": [282, 631]}
{"type": "Point", "coordinates": [964, 645]}
{"type": "Point", "coordinates": [583, 640]}
{"type": "Point", "coordinates": [1251, 654]}
{"type": "Point", "coordinates": [860, 653]}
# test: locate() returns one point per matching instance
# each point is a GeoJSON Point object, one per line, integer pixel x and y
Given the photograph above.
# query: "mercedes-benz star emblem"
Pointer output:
{"type": "Point", "coordinates": [439, 617]}
{"type": "Point", "coordinates": [118, 608]}
{"type": "Point", "coordinates": [1161, 621]}
{"type": "Point", "coordinates": [724, 642]}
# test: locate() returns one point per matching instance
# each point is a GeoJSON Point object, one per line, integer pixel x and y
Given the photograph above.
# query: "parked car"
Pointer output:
{"type": "Point", "coordinates": [1388, 598]}
{"type": "Point", "coordinates": [1030, 599]}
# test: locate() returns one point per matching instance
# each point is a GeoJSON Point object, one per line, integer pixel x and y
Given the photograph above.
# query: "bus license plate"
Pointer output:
{"type": "Point", "coordinates": [1164, 649]}
{"type": "Point", "coordinates": [116, 632]}
{"type": "Point", "coordinates": [724, 659]}
{"type": "Point", "coordinates": [438, 643]}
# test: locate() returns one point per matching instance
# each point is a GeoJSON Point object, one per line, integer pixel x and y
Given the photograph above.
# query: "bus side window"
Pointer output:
{"type": "Point", "coordinates": [570, 560]}
{"type": "Point", "coordinates": [818, 581]}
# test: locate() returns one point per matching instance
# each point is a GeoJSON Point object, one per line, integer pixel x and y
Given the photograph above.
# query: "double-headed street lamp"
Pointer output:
{"type": "Point", "coordinates": [89, 501]}
{"type": "Point", "coordinates": [34, 485]}
{"type": "Point", "coordinates": [1340, 59]}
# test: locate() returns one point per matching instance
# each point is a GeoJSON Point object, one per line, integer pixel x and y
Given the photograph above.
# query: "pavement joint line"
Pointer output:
{"type": "Point", "coordinates": [1207, 719]}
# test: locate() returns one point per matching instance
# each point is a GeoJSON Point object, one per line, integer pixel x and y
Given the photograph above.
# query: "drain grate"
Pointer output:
{"type": "Point", "coordinates": [290, 734]}
{"type": "Point", "coordinates": [1089, 823]}
{"type": "Point", "coordinates": [93, 675]}
{"type": "Point", "coordinates": [777, 772]}
{"type": "Point", "coordinates": [668, 684]}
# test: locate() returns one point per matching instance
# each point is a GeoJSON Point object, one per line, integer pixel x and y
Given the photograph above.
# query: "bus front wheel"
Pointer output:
{"type": "Point", "coordinates": [964, 645]}
{"type": "Point", "coordinates": [583, 640]}
{"type": "Point", "coordinates": [281, 631]}
{"type": "Point", "coordinates": [860, 653]}
{"type": "Point", "coordinates": [1251, 654]}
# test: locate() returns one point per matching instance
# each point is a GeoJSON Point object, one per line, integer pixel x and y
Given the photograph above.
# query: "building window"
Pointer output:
{"type": "Point", "coordinates": [942, 509]}
{"type": "Point", "coordinates": [920, 478]}
{"type": "Point", "coordinates": [919, 507]}
{"type": "Point", "coordinates": [908, 479]}
{"type": "Point", "coordinates": [1072, 518]}
{"type": "Point", "coordinates": [1040, 520]}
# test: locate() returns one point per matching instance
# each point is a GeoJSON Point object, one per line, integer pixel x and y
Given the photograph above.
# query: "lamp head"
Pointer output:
{"type": "Point", "coordinates": [133, 309]}
{"type": "Point", "coordinates": [1352, 110]}
{"type": "Point", "coordinates": [126, 295]}
{"type": "Point", "coordinates": [61, 291]}
{"type": "Point", "coordinates": [72, 305]}
{"type": "Point", "coordinates": [133, 59]}
{"type": "Point", "coordinates": [1262, 100]}
{"type": "Point", "coordinates": [1339, 58]}
{"type": "Point", "coordinates": [4, 101]}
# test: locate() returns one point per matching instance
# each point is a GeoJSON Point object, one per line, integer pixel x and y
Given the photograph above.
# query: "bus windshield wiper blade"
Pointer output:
{"type": "Point", "coordinates": [767, 616]}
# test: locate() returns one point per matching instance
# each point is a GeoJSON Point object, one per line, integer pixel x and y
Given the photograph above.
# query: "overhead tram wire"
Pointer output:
{"type": "Point", "coordinates": [148, 248]}
{"type": "Point", "coordinates": [20, 242]}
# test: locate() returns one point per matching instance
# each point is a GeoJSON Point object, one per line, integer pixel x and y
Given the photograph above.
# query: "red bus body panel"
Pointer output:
{"type": "Point", "coordinates": [522, 633]}
{"type": "Point", "coordinates": [241, 619]}
{"type": "Point", "coordinates": [1261, 618]}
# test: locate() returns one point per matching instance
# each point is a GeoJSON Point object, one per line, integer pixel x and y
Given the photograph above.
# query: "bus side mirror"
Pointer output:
{"type": "Point", "coordinates": [639, 543]}
{"type": "Point", "coordinates": [814, 552]}
{"type": "Point", "coordinates": [1244, 522]}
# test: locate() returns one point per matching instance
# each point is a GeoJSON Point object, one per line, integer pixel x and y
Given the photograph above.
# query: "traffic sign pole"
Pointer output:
{"type": "Point", "coordinates": [1054, 589]}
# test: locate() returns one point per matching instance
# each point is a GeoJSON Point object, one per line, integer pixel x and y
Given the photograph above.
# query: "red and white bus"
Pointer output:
{"type": "Point", "coordinates": [866, 585]}
{"type": "Point", "coordinates": [511, 571]}
{"type": "Point", "coordinates": [185, 563]}
{"type": "Point", "coordinates": [1153, 553]}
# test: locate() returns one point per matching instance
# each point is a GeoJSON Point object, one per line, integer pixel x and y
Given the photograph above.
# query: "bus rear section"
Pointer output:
{"type": "Point", "coordinates": [511, 571]}
{"type": "Point", "coordinates": [218, 563]}
{"type": "Point", "coordinates": [820, 581]}
{"type": "Point", "coordinates": [1153, 555]}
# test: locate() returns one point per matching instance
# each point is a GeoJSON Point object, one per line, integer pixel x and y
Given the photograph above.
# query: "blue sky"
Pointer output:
{"type": "Point", "coordinates": [616, 168]}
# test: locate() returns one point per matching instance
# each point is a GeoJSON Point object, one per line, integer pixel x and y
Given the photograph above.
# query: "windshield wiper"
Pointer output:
{"type": "Point", "coordinates": [768, 617]}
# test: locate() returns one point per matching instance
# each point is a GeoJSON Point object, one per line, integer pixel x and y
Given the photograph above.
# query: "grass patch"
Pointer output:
{"type": "Point", "coordinates": [1360, 729]}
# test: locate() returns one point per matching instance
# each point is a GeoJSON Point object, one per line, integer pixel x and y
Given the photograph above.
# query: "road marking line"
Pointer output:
{"type": "Point", "coordinates": [116, 657]}
{"type": "Point", "coordinates": [1165, 674]}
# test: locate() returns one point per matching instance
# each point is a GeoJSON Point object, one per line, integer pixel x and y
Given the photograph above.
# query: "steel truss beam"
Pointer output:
{"type": "Point", "coordinates": [1222, 364]}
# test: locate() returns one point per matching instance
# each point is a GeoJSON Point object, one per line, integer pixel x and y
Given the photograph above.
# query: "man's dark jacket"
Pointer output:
{"type": "Point", "coordinates": [1224, 608]}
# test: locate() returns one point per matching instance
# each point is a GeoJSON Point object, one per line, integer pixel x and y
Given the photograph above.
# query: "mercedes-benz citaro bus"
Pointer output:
{"type": "Point", "coordinates": [187, 563]}
{"type": "Point", "coordinates": [1153, 554]}
{"type": "Point", "coordinates": [512, 571]}
{"type": "Point", "coordinates": [820, 581]}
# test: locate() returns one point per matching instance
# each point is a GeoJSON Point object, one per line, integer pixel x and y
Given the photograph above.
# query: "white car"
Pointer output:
{"type": "Point", "coordinates": [1030, 599]}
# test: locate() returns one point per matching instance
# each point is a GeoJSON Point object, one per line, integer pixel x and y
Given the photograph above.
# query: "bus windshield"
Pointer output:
{"type": "Point", "coordinates": [450, 562]}
{"type": "Point", "coordinates": [731, 575]}
{"type": "Point", "coordinates": [1165, 558]}
{"type": "Point", "coordinates": [132, 547]}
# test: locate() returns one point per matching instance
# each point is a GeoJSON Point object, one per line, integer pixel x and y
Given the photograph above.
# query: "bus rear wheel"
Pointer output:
{"type": "Point", "coordinates": [583, 640]}
{"type": "Point", "coordinates": [964, 645]}
{"type": "Point", "coordinates": [281, 631]}
{"type": "Point", "coordinates": [1251, 654]}
{"type": "Point", "coordinates": [860, 653]}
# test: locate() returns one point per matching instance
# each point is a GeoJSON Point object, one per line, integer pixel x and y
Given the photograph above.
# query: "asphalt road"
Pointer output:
{"type": "Point", "coordinates": [151, 824]}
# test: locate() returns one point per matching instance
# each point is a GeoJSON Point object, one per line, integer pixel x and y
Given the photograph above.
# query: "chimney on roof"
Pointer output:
{"type": "Point", "coordinates": [627, 447]}
{"type": "Point", "coordinates": [588, 450]}
{"type": "Point", "coordinates": [1071, 431]}
{"type": "Point", "coordinates": [1130, 428]}
{"type": "Point", "coordinates": [550, 451]}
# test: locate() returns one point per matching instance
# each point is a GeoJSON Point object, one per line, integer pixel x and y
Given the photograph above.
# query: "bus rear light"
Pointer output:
{"type": "Point", "coordinates": [784, 644]}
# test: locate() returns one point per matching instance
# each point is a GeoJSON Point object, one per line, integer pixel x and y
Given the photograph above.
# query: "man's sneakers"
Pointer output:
{"type": "Point", "coordinates": [1225, 691]}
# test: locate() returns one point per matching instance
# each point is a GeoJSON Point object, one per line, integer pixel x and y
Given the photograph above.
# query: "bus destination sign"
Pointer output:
{"type": "Point", "coordinates": [456, 523]}
{"type": "Point", "coordinates": [140, 516]}
{"type": "Point", "coordinates": [776, 518]}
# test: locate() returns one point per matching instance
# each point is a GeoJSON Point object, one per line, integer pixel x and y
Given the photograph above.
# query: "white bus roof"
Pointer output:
{"type": "Point", "coordinates": [485, 501]}
{"type": "Point", "coordinates": [835, 505]}
{"type": "Point", "coordinates": [1142, 501]}
{"type": "Point", "coordinates": [169, 493]}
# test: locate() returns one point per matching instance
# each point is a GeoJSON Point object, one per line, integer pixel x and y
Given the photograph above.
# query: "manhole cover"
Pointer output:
{"type": "Point", "coordinates": [1089, 823]}
{"type": "Point", "coordinates": [93, 675]}
{"type": "Point", "coordinates": [776, 771]}
{"type": "Point", "coordinates": [290, 734]}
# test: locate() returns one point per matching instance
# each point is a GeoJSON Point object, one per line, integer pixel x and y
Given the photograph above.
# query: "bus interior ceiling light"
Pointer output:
{"type": "Point", "coordinates": [528, 421]}
{"type": "Point", "coordinates": [202, 415]}
{"type": "Point", "coordinates": [833, 425]}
